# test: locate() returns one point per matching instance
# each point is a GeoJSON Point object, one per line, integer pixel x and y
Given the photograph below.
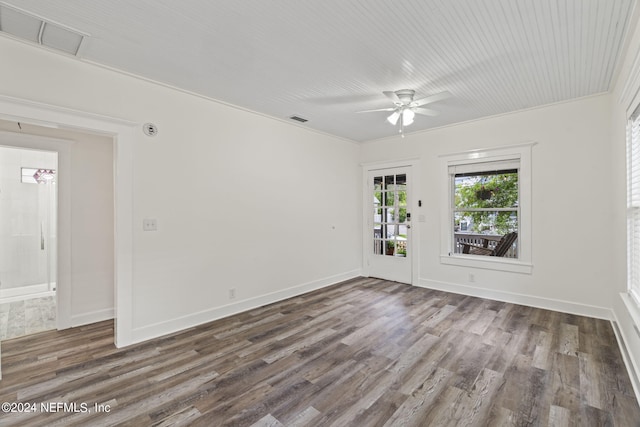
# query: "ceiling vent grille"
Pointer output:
{"type": "Point", "coordinates": [25, 26]}
{"type": "Point", "coordinates": [298, 119]}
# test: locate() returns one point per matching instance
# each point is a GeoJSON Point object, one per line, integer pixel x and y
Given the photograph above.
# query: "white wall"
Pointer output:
{"type": "Point", "coordinates": [242, 201]}
{"type": "Point", "coordinates": [571, 173]}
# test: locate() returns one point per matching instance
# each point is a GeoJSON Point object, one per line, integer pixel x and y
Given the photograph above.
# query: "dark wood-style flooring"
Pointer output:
{"type": "Point", "coordinates": [365, 352]}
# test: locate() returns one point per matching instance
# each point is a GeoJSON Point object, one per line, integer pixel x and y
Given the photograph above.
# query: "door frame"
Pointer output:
{"type": "Point", "coordinates": [122, 132]}
{"type": "Point", "coordinates": [367, 243]}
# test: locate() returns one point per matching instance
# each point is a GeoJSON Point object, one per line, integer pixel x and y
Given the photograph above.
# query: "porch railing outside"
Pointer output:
{"type": "Point", "coordinates": [477, 239]}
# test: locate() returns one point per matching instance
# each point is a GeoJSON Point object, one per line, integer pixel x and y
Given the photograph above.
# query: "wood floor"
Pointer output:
{"type": "Point", "coordinates": [366, 352]}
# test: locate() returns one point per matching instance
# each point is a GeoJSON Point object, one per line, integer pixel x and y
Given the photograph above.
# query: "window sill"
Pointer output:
{"type": "Point", "coordinates": [491, 263]}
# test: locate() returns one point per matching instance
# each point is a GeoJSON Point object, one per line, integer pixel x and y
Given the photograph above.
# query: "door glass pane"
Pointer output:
{"type": "Point", "coordinates": [401, 247]}
{"type": "Point", "coordinates": [390, 199]}
{"type": "Point", "coordinates": [402, 198]}
{"type": "Point", "coordinates": [378, 246]}
{"type": "Point", "coordinates": [395, 217]}
{"type": "Point", "coordinates": [391, 250]}
{"type": "Point", "coordinates": [402, 217]}
{"type": "Point", "coordinates": [377, 183]}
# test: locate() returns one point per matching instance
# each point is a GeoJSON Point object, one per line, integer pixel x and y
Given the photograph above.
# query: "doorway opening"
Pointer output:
{"type": "Point", "coordinates": [28, 241]}
{"type": "Point", "coordinates": [121, 134]}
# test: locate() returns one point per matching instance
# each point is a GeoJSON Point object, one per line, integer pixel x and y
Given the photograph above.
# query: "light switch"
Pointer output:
{"type": "Point", "coordinates": [149, 224]}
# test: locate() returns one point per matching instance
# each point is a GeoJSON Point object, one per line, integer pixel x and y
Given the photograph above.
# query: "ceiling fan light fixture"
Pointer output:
{"type": "Point", "coordinates": [405, 107]}
{"type": "Point", "coordinates": [407, 117]}
{"type": "Point", "coordinates": [393, 118]}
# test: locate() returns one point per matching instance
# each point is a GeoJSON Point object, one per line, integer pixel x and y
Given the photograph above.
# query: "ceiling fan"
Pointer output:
{"type": "Point", "coordinates": [406, 108]}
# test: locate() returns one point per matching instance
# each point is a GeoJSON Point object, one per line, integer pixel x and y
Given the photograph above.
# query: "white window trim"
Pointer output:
{"type": "Point", "coordinates": [523, 264]}
{"type": "Point", "coordinates": [633, 290]}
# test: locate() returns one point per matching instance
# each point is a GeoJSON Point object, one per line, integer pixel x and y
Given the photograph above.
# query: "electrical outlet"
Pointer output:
{"type": "Point", "coordinates": [149, 224]}
{"type": "Point", "coordinates": [232, 293]}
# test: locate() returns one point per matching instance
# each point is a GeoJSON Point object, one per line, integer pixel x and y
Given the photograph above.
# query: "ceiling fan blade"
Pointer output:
{"type": "Point", "coordinates": [379, 109]}
{"type": "Point", "coordinates": [392, 96]}
{"type": "Point", "coordinates": [429, 99]}
{"type": "Point", "coordinates": [426, 111]}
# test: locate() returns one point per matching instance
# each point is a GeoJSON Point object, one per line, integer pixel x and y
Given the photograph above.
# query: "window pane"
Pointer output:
{"type": "Point", "coordinates": [478, 228]}
{"type": "Point", "coordinates": [402, 215]}
{"type": "Point", "coordinates": [383, 215]}
{"type": "Point", "coordinates": [486, 222]}
{"type": "Point", "coordinates": [390, 248]}
{"type": "Point", "coordinates": [377, 215]}
{"type": "Point", "coordinates": [497, 189]}
{"type": "Point", "coordinates": [401, 247]}
{"type": "Point", "coordinates": [401, 183]}
{"type": "Point", "coordinates": [402, 198]}
{"type": "Point", "coordinates": [378, 247]}
{"type": "Point", "coordinates": [377, 183]}
{"type": "Point", "coordinates": [390, 198]}
{"type": "Point", "coordinates": [393, 217]}
{"type": "Point", "coordinates": [484, 230]}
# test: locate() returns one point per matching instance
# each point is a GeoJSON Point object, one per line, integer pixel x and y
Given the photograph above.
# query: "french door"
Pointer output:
{"type": "Point", "coordinates": [388, 220]}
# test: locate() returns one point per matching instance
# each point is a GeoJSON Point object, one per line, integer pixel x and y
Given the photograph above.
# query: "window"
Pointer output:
{"type": "Point", "coordinates": [485, 208]}
{"type": "Point", "coordinates": [37, 176]}
{"type": "Point", "coordinates": [633, 205]}
{"type": "Point", "coordinates": [487, 214]}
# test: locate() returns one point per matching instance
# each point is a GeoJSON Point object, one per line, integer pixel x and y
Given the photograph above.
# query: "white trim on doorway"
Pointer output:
{"type": "Point", "coordinates": [122, 133]}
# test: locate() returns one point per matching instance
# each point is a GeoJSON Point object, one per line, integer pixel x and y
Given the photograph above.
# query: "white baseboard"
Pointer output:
{"type": "Point", "coordinates": [523, 299]}
{"type": "Point", "coordinates": [634, 374]}
{"type": "Point", "coordinates": [92, 317]}
{"type": "Point", "coordinates": [627, 341]}
{"type": "Point", "coordinates": [174, 325]}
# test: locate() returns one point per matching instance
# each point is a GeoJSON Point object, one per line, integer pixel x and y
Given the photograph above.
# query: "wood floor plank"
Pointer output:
{"type": "Point", "coordinates": [365, 352]}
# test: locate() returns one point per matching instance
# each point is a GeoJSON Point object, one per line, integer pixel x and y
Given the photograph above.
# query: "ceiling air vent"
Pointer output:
{"type": "Point", "coordinates": [25, 26]}
{"type": "Point", "coordinates": [298, 119]}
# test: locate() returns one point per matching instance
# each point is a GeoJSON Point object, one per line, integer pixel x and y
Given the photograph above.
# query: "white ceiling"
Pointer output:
{"type": "Point", "coordinates": [324, 60]}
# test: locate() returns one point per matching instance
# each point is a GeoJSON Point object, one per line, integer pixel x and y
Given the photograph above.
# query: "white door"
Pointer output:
{"type": "Point", "coordinates": [389, 224]}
